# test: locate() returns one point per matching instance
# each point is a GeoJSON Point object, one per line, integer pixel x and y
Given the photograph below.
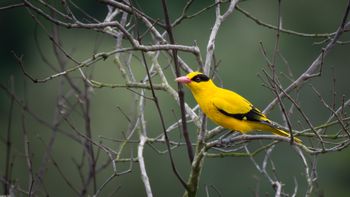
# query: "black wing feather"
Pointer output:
{"type": "Point", "coordinates": [253, 115]}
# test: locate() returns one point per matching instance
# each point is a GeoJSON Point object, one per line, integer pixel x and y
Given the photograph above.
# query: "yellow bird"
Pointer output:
{"type": "Point", "coordinates": [226, 107]}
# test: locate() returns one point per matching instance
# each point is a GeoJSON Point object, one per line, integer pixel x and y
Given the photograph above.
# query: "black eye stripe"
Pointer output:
{"type": "Point", "coordinates": [199, 78]}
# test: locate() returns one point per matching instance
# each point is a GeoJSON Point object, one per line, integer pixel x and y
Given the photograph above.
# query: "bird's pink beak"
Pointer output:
{"type": "Point", "coordinates": [183, 79]}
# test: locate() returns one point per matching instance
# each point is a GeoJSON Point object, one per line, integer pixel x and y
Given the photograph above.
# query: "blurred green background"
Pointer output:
{"type": "Point", "coordinates": [237, 47]}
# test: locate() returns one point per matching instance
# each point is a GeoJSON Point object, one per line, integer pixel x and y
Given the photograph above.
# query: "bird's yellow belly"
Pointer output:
{"type": "Point", "coordinates": [226, 121]}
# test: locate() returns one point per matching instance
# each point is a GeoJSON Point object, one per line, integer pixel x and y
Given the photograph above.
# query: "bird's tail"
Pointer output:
{"type": "Point", "coordinates": [285, 134]}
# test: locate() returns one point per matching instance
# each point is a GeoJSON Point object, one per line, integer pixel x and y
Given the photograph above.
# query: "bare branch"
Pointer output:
{"type": "Point", "coordinates": [179, 85]}
{"type": "Point", "coordinates": [144, 175]}
{"type": "Point", "coordinates": [218, 21]}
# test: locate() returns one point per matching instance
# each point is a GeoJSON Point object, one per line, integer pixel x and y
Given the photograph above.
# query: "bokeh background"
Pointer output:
{"type": "Point", "coordinates": [241, 61]}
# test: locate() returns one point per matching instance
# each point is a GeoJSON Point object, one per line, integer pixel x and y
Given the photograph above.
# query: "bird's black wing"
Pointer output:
{"type": "Point", "coordinates": [252, 115]}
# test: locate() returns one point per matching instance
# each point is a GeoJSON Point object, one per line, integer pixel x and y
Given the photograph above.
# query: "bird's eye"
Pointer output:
{"type": "Point", "coordinates": [197, 79]}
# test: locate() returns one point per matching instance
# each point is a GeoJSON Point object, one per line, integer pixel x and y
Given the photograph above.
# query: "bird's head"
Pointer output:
{"type": "Point", "coordinates": [196, 81]}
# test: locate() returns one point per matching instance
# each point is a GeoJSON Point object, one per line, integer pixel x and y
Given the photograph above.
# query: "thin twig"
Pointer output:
{"type": "Point", "coordinates": [11, 6]}
{"type": "Point", "coordinates": [179, 85]}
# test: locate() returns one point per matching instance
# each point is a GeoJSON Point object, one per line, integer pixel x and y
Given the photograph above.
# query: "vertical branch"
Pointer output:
{"type": "Point", "coordinates": [179, 85]}
{"type": "Point", "coordinates": [155, 99]}
{"type": "Point", "coordinates": [28, 157]}
{"type": "Point", "coordinates": [275, 81]}
{"type": "Point", "coordinates": [143, 138]}
{"type": "Point", "coordinates": [88, 143]}
{"type": "Point", "coordinates": [309, 175]}
{"type": "Point", "coordinates": [197, 166]}
{"type": "Point", "coordinates": [214, 31]}
{"type": "Point", "coordinates": [144, 176]}
{"type": "Point", "coordinates": [7, 173]}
